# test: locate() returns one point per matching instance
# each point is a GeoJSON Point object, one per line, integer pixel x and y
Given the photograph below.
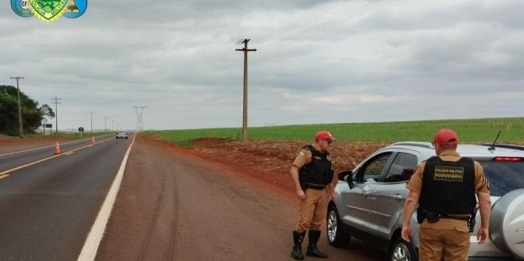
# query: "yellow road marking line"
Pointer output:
{"type": "Point", "coordinates": [27, 165]}
{"type": "Point", "coordinates": [42, 160]}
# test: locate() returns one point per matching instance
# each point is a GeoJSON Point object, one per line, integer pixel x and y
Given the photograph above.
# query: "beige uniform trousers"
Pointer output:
{"type": "Point", "coordinates": [312, 210]}
{"type": "Point", "coordinates": [445, 240]}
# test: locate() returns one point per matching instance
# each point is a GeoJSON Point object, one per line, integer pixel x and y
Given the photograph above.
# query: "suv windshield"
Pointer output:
{"type": "Point", "coordinates": [504, 176]}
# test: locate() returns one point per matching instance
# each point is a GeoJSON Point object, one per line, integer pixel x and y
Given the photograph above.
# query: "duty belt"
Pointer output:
{"type": "Point", "coordinates": [455, 217]}
{"type": "Point", "coordinates": [309, 186]}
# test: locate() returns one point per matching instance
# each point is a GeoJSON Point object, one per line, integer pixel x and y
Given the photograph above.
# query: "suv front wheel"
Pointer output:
{"type": "Point", "coordinates": [336, 237]}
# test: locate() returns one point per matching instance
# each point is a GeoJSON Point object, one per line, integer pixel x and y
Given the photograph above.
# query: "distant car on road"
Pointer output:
{"type": "Point", "coordinates": [371, 199]}
{"type": "Point", "coordinates": [121, 135]}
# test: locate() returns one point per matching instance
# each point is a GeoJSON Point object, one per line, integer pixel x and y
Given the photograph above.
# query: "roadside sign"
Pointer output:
{"type": "Point", "coordinates": [81, 130]}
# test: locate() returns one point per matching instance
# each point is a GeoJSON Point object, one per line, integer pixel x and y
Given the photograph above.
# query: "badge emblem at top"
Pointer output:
{"type": "Point", "coordinates": [21, 8]}
{"type": "Point", "coordinates": [48, 10]}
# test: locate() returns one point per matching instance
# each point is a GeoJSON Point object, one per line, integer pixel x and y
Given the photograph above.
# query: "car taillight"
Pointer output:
{"type": "Point", "coordinates": [508, 159]}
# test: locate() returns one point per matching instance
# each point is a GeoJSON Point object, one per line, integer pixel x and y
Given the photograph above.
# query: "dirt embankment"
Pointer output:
{"type": "Point", "coordinates": [261, 159]}
{"type": "Point", "coordinates": [271, 160]}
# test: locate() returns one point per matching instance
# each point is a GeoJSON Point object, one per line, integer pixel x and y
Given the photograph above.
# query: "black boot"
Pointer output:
{"type": "Point", "coordinates": [298, 237]}
{"type": "Point", "coordinates": [312, 249]}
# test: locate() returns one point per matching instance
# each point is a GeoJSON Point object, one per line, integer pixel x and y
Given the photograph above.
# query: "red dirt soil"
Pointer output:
{"type": "Point", "coordinates": [269, 161]}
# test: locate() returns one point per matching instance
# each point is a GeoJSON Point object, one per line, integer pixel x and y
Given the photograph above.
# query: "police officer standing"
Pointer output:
{"type": "Point", "coordinates": [445, 187]}
{"type": "Point", "coordinates": [312, 174]}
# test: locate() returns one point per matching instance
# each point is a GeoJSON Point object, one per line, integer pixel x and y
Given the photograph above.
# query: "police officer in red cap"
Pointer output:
{"type": "Point", "coordinates": [312, 173]}
{"type": "Point", "coordinates": [444, 186]}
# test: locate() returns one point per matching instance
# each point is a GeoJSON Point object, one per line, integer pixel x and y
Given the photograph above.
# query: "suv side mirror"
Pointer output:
{"type": "Point", "coordinates": [346, 175]}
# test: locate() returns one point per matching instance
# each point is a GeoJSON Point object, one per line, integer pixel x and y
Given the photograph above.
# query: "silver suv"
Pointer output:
{"type": "Point", "coordinates": [371, 200]}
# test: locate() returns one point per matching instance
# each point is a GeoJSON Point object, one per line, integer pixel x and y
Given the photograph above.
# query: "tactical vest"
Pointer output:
{"type": "Point", "coordinates": [448, 187]}
{"type": "Point", "coordinates": [318, 170]}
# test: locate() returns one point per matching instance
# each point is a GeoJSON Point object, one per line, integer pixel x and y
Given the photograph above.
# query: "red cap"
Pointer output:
{"type": "Point", "coordinates": [324, 135]}
{"type": "Point", "coordinates": [445, 137]}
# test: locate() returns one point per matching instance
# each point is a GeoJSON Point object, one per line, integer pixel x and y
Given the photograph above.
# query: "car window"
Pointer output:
{"type": "Point", "coordinates": [504, 176]}
{"type": "Point", "coordinates": [402, 167]}
{"type": "Point", "coordinates": [372, 169]}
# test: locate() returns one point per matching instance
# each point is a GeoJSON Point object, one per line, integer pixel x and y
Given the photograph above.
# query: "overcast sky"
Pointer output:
{"type": "Point", "coordinates": [316, 61]}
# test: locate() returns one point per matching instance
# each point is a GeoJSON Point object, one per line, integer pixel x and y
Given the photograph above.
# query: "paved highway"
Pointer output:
{"type": "Point", "coordinates": [48, 202]}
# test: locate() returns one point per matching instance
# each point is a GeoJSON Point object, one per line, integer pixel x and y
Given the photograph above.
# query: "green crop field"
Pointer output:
{"type": "Point", "coordinates": [469, 130]}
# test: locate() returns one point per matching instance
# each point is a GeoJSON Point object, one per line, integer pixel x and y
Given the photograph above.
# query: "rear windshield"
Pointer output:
{"type": "Point", "coordinates": [504, 176]}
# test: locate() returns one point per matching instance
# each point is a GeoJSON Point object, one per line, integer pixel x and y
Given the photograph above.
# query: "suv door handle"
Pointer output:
{"type": "Point", "coordinates": [396, 196]}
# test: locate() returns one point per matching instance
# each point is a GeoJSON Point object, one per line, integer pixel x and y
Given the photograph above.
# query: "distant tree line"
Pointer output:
{"type": "Point", "coordinates": [32, 113]}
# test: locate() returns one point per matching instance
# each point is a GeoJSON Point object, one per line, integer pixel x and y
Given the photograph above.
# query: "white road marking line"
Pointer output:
{"type": "Point", "coordinates": [97, 231]}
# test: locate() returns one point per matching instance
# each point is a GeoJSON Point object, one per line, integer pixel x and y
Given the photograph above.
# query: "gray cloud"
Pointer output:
{"type": "Point", "coordinates": [316, 61]}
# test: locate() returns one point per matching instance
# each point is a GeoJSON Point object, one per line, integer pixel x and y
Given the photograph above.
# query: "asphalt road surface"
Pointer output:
{"type": "Point", "coordinates": [48, 203]}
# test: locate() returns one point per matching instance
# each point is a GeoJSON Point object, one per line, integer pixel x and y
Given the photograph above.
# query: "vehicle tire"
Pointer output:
{"type": "Point", "coordinates": [335, 235]}
{"type": "Point", "coordinates": [506, 222]}
{"type": "Point", "coordinates": [402, 251]}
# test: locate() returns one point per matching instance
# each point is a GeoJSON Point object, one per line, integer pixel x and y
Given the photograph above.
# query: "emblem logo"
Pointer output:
{"type": "Point", "coordinates": [48, 10]}
{"type": "Point", "coordinates": [21, 8]}
{"type": "Point", "coordinates": [75, 8]}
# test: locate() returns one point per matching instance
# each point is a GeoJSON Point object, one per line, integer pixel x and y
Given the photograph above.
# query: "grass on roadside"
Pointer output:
{"type": "Point", "coordinates": [469, 130]}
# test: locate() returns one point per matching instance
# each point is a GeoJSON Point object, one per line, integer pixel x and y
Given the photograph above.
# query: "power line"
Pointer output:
{"type": "Point", "coordinates": [347, 14]}
{"type": "Point", "coordinates": [302, 21]}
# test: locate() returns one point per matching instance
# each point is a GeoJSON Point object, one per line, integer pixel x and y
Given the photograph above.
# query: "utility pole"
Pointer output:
{"type": "Point", "coordinates": [105, 123]}
{"type": "Point", "coordinates": [56, 101]}
{"type": "Point", "coordinates": [20, 126]}
{"type": "Point", "coordinates": [139, 119]}
{"type": "Point", "coordinates": [91, 122]}
{"type": "Point", "coordinates": [244, 107]}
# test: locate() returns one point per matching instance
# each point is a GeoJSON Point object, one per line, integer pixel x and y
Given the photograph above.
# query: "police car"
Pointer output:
{"type": "Point", "coordinates": [371, 200]}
